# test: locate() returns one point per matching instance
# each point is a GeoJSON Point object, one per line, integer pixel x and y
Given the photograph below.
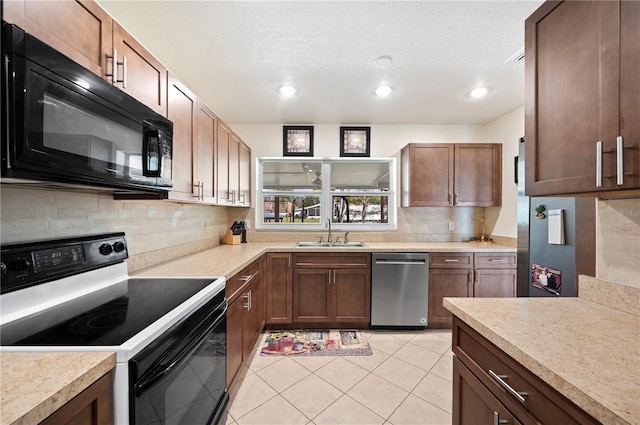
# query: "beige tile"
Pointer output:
{"type": "Point", "coordinates": [444, 367]}
{"type": "Point", "coordinates": [347, 411]}
{"type": "Point", "coordinates": [312, 395]}
{"type": "Point", "coordinates": [369, 362]}
{"type": "Point", "coordinates": [283, 374]}
{"type": "Point", "coordinates": [418, 356]}
{"type": "Point", "coordinates": [313, 363]}
{"type": "Point", "coordinates": [388, 343]}
{"type": "Point", "coordinates": [436, 390]}
{"type": "Point", "coordinates": [378, 394]}
{"type": "Point", "coordinates": [341, 373]}
{"type": "Point", "coordinates": [414, 411]}
{"type": "Point", "coordinates": [276, 411]}
{"type": "Point", "coordinates": [260, 362]}
{"type": "Point", "coordinates": [252, 393]}
{"type": "Point", "coordinates": [432, 342]}
{"type": "Point", "coordinates": [400, 373]}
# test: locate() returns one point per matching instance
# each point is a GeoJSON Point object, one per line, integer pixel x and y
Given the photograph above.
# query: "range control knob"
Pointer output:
{"type": "Point", "coordinates": [21, 264]}
{"type": "Point", "coordinates": [3, 269]}
{"type": "Point", "coordinates": [105, 249]}
{"type": "Point", "coordinates": [118, 246]}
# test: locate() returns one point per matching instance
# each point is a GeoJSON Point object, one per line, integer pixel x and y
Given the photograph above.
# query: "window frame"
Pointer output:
{"type": "Point", "coordinates": [326, 197]}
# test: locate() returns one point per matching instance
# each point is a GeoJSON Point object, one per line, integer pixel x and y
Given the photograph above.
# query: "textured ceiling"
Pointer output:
{"type": "Point", "coordinates": [236, 54]}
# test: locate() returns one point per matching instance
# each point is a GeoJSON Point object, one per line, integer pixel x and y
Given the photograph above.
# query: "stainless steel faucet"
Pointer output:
{"type": "Point", "coordinates": [329, 224]}
{"type": "Point", "coordinates": [346, 237]}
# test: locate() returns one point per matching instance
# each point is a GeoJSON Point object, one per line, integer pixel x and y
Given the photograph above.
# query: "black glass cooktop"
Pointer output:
{"type": "Point", "coordinates": [108, 317]}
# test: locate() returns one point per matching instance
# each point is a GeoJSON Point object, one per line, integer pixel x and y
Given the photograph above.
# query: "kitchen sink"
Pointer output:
{"type": "Point", "coordinates": [330, 245]}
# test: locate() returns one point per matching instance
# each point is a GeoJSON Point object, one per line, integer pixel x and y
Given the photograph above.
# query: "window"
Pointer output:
{"type": "Point", "coordinates": [355, 193]}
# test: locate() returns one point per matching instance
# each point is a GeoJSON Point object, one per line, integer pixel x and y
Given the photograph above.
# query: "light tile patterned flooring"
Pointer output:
{"type": "Point", "coordinates": [407, 380]}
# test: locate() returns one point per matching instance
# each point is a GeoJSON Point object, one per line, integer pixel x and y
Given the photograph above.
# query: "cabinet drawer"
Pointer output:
{"type": "Point", "coordinates": [337, 260]}
{"type": "Point", "coordinates": [236, 284]}
{"type": "Point", "coordinates": [542, 404]}
{"type": "Point", "coordinates": [487, 260]}
{"type": "Point", "coordinates": [451, 260]}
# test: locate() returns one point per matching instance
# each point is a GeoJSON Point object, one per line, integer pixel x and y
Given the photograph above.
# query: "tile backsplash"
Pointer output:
{"type": "Point", "coordinates": [618, 241]}
{"type": "Point", "coordinates": [156, 231]}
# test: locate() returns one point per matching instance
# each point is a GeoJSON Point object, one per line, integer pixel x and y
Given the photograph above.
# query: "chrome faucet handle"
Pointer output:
{"type": "Point", "coordinates": [337, 239]}
{"type": "Point", "coordinates": [346, 237]}
{"type": "Point", "coordinates": [321, 239]}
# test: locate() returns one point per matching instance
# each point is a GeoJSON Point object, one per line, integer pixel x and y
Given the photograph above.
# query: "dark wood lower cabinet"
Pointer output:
{"type": "Point", "coordinates": [279, 302]}
{"type": "Point", "coordinates": [473, 403]}
{"type": "Point", "coordinates": [447, 283]}
{"type": "Point", "coordinates": [93, 406]}
{"type": "Point", "coordinates": [495, 283]}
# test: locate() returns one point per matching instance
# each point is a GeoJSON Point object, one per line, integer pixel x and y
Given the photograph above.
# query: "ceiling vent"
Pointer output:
{"type": "Point", "coordinates": [517, 57]}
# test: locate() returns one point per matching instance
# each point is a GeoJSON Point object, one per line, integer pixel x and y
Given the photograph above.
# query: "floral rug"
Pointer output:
{"type": "Point", "coordinates": [322, 342]}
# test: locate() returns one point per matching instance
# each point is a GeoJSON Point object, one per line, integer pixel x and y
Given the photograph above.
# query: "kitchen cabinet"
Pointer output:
{"type": "Point", "coordinates": [245, 318]}
{"type": "Point", "coordinates": [84, 32]}
{"type": "Point", "coordinates": [468, 275]}
{"type": "Point", "coordinates": [93, 406]}
{"type": "Point", "coordinates": [448, 174]}
{"type": "Point", "coordinates": [234, 168]}
{"type": "Point", "coordinates": [278, 287]}
{"type": "Point", "coordinates": [244, 175]}
{"type": "Point", "coordinates": [194, 128]}
{"type": "Point", "coordinates": [490, 386]}
{"type": "Point", "coordinates": [222, 174]}
{"type": "Point", "coordinates": [332, 288]}
{"type": "Point", "coordinates": [582, 121]}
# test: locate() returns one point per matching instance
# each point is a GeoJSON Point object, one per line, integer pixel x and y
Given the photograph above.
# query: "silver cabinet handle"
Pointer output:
{"type": "Point", "coordinates": [334, 276]}
{"type": "Point", "coordinates": [449, 260]}
{"type": "Point", "coordinates": [247, 297]}
{"type": "Point", "coordinates": [450, 199]}
{"type": "Point", "coordinates": [250, 300]}
{"type": "Point", "coordinates": [456, 199]}
{"type": "Point", "coordinates": [501, 380]}
{"type": "Point", "coordinates": [246, 278]}
{"type": "Point", "coordinates": [599, 163]}
{"type": "Point", "coordinates": [329, 272]}
{"type": "Point", "coordinates": [620, 160]}
{"type": "Point", "coordinates": [288, 261]}
{"type": "Point", "coordinates": [497, 420]}
{"type": "Point", "coordinates": [124, 72]}
{"type": "Point", "coordinates": [497, 260]}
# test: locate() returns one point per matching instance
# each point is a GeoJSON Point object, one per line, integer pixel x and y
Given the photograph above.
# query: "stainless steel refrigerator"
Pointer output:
{"type": "Point", "coordinates": [552, 269]}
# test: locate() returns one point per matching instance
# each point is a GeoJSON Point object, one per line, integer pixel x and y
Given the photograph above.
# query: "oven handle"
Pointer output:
{"type": "Point", "coordinates": [180, 355]}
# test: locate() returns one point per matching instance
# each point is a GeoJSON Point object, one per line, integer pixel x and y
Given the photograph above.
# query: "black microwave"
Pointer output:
{"type": "Point", "coordinates": [64, 126]}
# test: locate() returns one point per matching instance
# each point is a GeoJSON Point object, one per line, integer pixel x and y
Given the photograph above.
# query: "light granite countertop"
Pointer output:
{"type": "Point", "coordinates": [35, 385]}
{"type": "Point", "coordinates": [227, 260]}
{"type": "Point", "coordinates": [587, 351]}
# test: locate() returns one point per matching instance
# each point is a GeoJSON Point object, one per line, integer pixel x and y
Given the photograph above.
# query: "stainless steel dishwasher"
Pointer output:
{"type": "Point", "coordinates": [399, 289]}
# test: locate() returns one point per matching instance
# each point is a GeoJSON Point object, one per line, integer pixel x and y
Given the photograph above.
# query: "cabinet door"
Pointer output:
{"type": "Point", "coordinates": [311, 296]}
{"type": "Point", "coordinates": [427, 175]}
{"type": "Point", "coordinates": [630, 92]}
{"type": "Point", "coordinates": [81, 30]}
{"type": "Point", "coordinates": [571, 95]}
{"type": "Point", "coordinates": [447, 283]}
{"type": "Point", "coordinates": [234, 169]}
{"type": "Point", "coordinates": [499, 283]}
{"type": "Point", "coordinates": [478, 174]}
{"type": "Point", "coordinates": [143, 76]}
{"type": "Point", "coordinates": [253, 321]}
{"type": "Point", "coordinates": [244, 182]}
{"type": "Point", "coordinates": [473, 403]}
{"type": "Point", "coordinates": [206, 122]}
{"type": "Point", "coordinates": [223, 142]}
{"type": "Point", "coordinates": [181, 107]}
{"type": "Point", "coordinates": [278, 288]}
{"type": "Point", "coordinates": [235, 331]}
{"type": "Point", "coordinates": [351, 295]}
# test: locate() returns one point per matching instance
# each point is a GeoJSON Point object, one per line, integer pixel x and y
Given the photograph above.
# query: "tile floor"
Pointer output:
{"type": "Point", "coordinates": [407, 380]}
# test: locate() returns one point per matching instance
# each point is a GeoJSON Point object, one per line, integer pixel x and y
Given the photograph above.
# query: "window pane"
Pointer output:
{"type": "Point", "coordinates": [290, 176]}
{"type": "Point", "coordinates": [360, 209]}
{"type": "Point", "coordinates": [291, 209]}
{"type": "Point", "coordinates": [360, 176]}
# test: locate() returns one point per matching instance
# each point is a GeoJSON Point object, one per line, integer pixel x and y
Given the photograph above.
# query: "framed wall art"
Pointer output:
{"type": "Point", "coordinates": [355, 141]}
{"type": "Point", "coordinates": [297, 140]}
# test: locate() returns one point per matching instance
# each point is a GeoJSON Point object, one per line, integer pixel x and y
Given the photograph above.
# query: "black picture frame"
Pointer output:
{"type": "Point", "coordinates": [355, 141]}
{"type": "Point", "coordinates": [297, 140]}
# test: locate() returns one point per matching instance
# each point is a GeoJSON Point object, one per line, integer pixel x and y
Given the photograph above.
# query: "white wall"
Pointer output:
{"type": "Point", "coordinates": [387, 141]}
{"type": "Point", "coordinates": [507, 129]}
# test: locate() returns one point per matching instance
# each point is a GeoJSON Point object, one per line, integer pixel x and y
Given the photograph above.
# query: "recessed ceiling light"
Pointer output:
{"type": "Point", "coordinates": [383, 91]}
{"type": "Point", "coordinates": [287, 91]}
{"type": "Point", "coordinates": [384, 61]}
{"type": "Point", "coordinates": [479, 92]}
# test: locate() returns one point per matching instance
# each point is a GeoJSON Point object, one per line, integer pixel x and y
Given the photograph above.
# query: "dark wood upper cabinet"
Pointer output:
{"type": "Point", "coordinates": [448, 174]}
{"type": "Point", "coordinates": [582, 88]}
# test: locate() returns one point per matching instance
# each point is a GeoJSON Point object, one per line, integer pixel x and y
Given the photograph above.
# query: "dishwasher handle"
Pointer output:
{"type": "Point", "coordinates": [401, 262]}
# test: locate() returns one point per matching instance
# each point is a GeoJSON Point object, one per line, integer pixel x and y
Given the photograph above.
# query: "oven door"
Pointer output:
{"type": "Point", "coordinates": [181, 377]}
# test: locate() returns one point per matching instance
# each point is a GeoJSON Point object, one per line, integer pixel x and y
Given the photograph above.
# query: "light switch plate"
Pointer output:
{"type": "Point", "coordinates": [452, 225]}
